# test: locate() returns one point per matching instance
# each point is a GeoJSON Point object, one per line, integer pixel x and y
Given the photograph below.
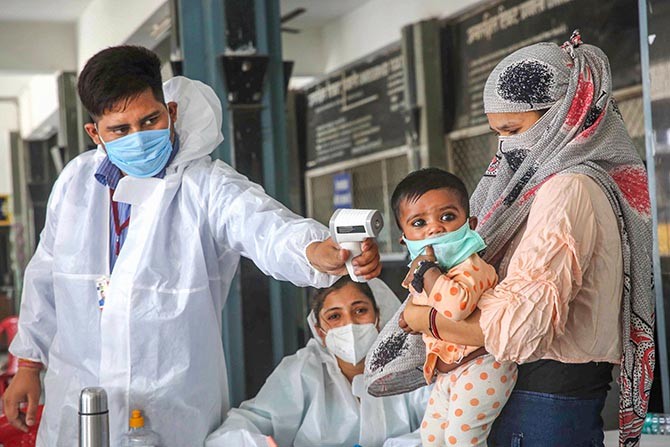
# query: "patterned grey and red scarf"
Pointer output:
{"type": "Point", "coordinates": [581, 132]}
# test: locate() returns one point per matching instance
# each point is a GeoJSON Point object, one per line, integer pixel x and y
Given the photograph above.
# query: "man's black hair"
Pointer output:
{"type": "Point", "coordinates": [419, 182]}
{"type": "Point", "coordinates": [117, 75]}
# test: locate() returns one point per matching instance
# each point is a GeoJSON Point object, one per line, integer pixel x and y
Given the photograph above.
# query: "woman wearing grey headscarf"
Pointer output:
{"type": "Point", "coordinates": [564, 210]}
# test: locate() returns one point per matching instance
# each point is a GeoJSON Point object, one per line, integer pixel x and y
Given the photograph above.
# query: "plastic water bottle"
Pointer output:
{"type": "Point", "coordinates": [139, 435]}
{"type": "Point", "coordinates": [656, 424]}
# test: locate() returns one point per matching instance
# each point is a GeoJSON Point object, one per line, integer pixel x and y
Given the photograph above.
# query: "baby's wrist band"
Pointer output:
{"type": "Point", "coordinates": [424, 266]}
{"type": "Point", "coordinates": [432, 326]}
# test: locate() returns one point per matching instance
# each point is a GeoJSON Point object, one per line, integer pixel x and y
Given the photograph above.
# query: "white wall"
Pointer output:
{"type": "Point", "coordinates": [9, 118]}
{"type": "Point", "coordinates": [9, 122]}
{"type": "Point", "coordinates": [37, 46]}
{"type": "Point", "coordinates": [106, 23]}
{"type": "Point", "coordinates": [5, 163]}
{"type": "Point", "coordinates": [11, 84]}
{"type": "Point", "coordinates": [377, 23]}
{"type": "Point", "coordinates": [306, 50]}
{"type": "Point", "coordinates": [34, 47]}
{"type": "Point", "coordinates": [38, 106]}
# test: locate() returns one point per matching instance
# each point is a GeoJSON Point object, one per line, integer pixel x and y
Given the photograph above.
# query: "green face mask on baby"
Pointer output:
{"type": "Point", "coordinates": [450, 248]}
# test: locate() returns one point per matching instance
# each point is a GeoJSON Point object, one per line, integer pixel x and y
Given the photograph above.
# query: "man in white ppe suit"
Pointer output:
{"type": "Point", "coordinates": [308, 400]}
{"type": "Point", "coordinates": [141, 242]}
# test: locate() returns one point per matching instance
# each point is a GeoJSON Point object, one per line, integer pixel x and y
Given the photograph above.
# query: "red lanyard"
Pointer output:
{"type": "Point", "coordinates": [118, 229]}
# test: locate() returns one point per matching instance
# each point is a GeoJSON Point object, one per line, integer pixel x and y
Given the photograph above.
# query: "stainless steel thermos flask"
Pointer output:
{"type": "Point", "coordinates": [93, 418]}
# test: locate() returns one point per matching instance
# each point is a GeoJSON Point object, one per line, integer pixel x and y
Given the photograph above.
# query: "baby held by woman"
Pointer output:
{"type": "Point", "coordinates": [431, 207]}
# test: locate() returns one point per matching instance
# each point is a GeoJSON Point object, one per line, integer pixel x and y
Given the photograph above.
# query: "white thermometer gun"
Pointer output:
{"type": "Point", "coordinates": [349, 228]}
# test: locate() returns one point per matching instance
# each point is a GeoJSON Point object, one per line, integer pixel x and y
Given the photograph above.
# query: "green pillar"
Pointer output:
{"type": "Point", "coordinates": [284, 297]}
{"type": "Point", "coordinates": [201, 28]}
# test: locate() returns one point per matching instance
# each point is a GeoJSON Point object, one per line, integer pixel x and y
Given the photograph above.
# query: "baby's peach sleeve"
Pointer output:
{"type": "Point", "coordinates": [456, 293]}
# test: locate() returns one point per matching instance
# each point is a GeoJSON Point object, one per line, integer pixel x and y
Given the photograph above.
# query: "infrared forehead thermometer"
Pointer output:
{"type": "Point", "coordinates": [349, 228]}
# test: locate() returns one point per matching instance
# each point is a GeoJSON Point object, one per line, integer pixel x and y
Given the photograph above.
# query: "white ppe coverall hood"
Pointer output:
{"type": "Point", "coordinates": [157, 344]}
{"type": "Point", "coordinates": [307, 401]}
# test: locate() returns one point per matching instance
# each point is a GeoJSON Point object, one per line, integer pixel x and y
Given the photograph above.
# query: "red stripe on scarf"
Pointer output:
{"type": "Point", "coordinates": [643, 340]}
{"type": "Point", "coordinates": [630, 423]}
{"type": "Point", "coordinates": [581, 103]}
{"type": "Point", "coordinates": [632, 181]}
{"type": "Point", "coordinates": [586, 133]}
{"type": "Point", "coordinates": [488, 215]}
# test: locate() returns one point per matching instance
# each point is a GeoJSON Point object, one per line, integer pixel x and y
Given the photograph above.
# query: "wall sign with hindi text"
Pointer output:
{"type": "Point", "coordinates": [479, 41]}
{"type": "Point", "coordinates": [357, 110]}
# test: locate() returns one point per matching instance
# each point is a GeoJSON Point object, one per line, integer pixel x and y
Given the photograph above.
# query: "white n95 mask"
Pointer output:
{"type": "Point", "coordinates": [351, 342]}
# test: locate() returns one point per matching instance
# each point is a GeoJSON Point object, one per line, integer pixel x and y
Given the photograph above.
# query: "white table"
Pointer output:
{"type": "Point", "coordinates": [612, 440]}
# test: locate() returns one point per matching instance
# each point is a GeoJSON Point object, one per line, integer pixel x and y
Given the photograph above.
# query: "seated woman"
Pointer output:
{"type": "Point", "coordinates": [317, 396]}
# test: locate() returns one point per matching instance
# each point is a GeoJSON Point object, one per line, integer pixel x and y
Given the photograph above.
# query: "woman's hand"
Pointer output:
{"type": "Point", "coordinates": [404, 326]}
{"type": "Point", "coordinates": [429, 255]}
{"type": "Point", "coordinates": [414, 319]}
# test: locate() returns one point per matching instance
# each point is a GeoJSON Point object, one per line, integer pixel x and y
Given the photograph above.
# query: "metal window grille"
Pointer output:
{"type": "Point", "coordinates": [470, 156]}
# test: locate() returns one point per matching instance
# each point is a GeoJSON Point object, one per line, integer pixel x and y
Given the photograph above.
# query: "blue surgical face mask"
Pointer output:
{"type": "Point", "coordinates": [450, 248]}
{"type": "Point", "coordinates": [141, 154]}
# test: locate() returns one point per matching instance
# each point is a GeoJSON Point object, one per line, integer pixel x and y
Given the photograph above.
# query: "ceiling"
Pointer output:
{"type": "Point", "coordinates": [319, 12]}
{"type": "Point", "coordinates": [42, 10]}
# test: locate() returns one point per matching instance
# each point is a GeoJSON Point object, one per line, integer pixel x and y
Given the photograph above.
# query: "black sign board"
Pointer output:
{"type": "Point", "coordinates": [481, 40]}
{"type": "Point", "coordinates": [357, 110]}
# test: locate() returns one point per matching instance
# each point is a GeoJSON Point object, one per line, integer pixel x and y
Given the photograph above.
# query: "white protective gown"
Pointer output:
{"type": "Point", "coordinates": [308, 402]}
{"type": "Point", "coordinates": [157, 343]}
